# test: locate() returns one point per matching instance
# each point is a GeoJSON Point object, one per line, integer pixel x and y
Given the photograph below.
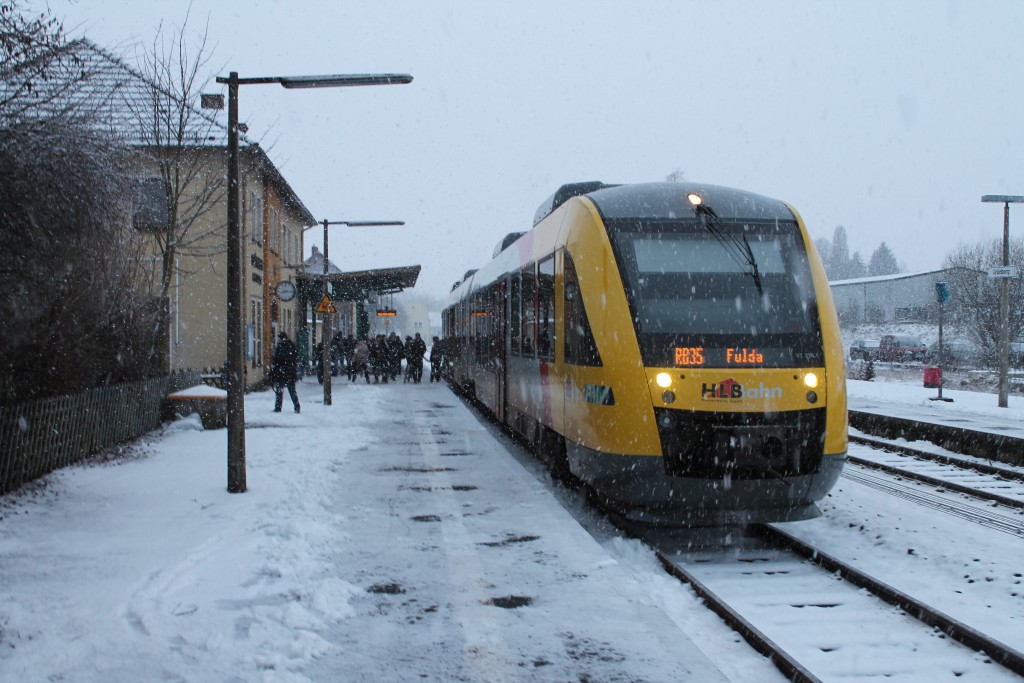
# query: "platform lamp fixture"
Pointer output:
{"type": "Point", "coordinates": [325, 352]}
{"type": "Point", "coordinates": [235, 346]}
{"type": "Point", "coordinates": [1003, 274]}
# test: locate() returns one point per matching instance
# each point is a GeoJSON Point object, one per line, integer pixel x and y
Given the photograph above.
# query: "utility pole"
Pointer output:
{"type": "Point", "coordinates": [1004, 274]}
{"type": "Point", "coordinates": [327, 338]}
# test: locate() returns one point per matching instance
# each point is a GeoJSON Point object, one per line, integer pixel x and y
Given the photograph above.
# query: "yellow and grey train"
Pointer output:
{"type": "Point", "coordinates": [674, 346]}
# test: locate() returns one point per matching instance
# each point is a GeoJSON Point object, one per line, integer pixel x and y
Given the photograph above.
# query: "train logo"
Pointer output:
{"type": "Point", "coordinates": [730, 389]}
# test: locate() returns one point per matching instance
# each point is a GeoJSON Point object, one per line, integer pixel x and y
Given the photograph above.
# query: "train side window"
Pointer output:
{"type": "Point", "coordinates": [546, 308]}
{"type": "Point", "coordinates": [529, 345]}
{"type": "Point", "coordinates": [482, 316]}
{"type": "Point", "coordinates": [580, 347]}
{"type": "Point", "coordinates": [494, 316]}
{"type": "Point", "coordinates": [514, 320]}
{"type": "Point", "coordinates": [474, 323]}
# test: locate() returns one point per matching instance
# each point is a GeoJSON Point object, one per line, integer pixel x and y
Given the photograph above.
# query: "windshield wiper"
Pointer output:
{"type": "Point", "coordinates": [752, 262]}
{"type": "Point", "coordinates": [739, 250]}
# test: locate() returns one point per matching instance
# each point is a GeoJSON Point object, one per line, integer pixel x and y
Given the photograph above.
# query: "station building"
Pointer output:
{"type": "Point", "coordinates": [882, 299]}
{"type": "Point", "coordinates": [179, 169]}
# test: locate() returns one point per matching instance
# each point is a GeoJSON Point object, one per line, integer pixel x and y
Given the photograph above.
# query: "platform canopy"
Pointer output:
{"type": "Point", "coordinates": [361, 284]}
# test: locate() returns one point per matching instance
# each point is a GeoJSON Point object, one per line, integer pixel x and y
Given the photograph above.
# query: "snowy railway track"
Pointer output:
{"type": "Point", "coordinates": [820, 619]}
{"type": "Point", "coordinates": [937, 501]}
{"type": "Point", "coordinates": [995, 483]}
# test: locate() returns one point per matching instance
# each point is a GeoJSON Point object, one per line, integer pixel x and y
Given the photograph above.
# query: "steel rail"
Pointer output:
{"type": "Point", "coordinates": [955, 629]}
{"type": "Point", "coordinates": [935, 481]}
{"type": "Point", "coordinates": [935, 502]}
{"type": "Point", "coordinates": [939, 457]}
{"type": "Point", "coordinates": [788, 666]}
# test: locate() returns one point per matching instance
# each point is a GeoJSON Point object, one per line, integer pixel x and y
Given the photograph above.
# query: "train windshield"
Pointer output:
{"type": "Point", "coordinates": [748, 286]}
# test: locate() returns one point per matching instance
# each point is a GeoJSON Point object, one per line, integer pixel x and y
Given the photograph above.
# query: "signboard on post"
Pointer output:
{"type": "Point", "coordinates": [1000, 272]}
{"type": "Point", "coordinates": [326, 306]}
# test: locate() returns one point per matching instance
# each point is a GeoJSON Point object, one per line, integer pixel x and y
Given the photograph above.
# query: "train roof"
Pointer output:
{"type": "Point", "coordinates": [652, 201]}
{"type": "Point", "coordinates": [564, 194]}
{"type": "Point", "coordinates": [665, 200]}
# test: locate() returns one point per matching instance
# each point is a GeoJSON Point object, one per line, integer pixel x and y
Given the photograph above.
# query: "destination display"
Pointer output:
{"type": "Point", "coordinates": [731, 356]}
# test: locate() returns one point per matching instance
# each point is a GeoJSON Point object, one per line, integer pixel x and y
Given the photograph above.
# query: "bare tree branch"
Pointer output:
{"type": "Point", "coordinates": [974, 300]}
{"type": "Point", "coordinates": [175, 136]}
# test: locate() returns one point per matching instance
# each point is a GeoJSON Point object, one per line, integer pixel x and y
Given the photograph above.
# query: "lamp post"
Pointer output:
{"type": "Point", "coordinates": [235, 347]}
{"type": "Point", "coordinates": [325, 354]}
{"type": "Point", "coordinates": [1004, 276]}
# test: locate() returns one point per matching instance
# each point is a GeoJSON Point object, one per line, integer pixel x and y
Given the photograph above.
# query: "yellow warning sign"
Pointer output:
{"type": "Point", "coordinates": [326, 306]}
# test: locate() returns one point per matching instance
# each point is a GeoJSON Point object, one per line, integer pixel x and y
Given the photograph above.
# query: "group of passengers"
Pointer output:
{"type": "Point", "coordinates": [382, 357]}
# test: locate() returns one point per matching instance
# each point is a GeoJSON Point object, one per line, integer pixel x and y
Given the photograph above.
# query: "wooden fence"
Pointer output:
{"type": "Point", "coordinates": [41, 436]}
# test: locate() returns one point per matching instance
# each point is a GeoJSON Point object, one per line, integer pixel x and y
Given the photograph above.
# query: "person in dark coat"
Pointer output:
{"type": "Point", "coordinates": [396, 352]}
{"type": "Point", "coordinates": [282, 371]}
{"type": "Point", "coordinates": [337, 353]}
{"type": "Point", "coordinates": [318, 360]}
{"type": "Point", "coordinates": [419, 349]}
{"type": "Point", "coordinates": [436, 359]}
{"type": "Point", "coordinates": [348, 347]}
{"type": "Point", "coordinates": [379, 359]}
{"type": "Point", "coordinates": [410, 364]}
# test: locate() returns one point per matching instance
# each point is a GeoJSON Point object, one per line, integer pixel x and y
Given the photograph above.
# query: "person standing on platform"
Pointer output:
{"type": "Point", "coordinates": [360, 362]}
{"type": "Point", "coordinates": [348, 346]}
{"type": "Point", "coordinates": [379, 359]}
{"type": "Point", "coordinates": [396, 352]}
{"type": "Point", "coordinates": [410, 364]}
{"type": "Point", "coordinates": [282, 371]}
{"type": "Point", "coordinates": [436, 358]}
{"type": "Point", "coordinates": [419, 349]}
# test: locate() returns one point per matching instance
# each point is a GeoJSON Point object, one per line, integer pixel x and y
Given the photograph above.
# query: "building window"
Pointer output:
{"type": "Point", "coordinates": [275, 231]}
{"type": "Point", "coordinates": [256, 322]}
{"type": "Point", "coordinates": [150, 206]}
{"type": "Point", "coordinates": [256, 217]}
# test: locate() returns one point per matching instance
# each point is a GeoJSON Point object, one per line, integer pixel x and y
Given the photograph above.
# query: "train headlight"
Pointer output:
{"type": "Point", "coordinates": [810, 380]}
{"type": "Point", "coordinates": [669, 397]}
{"type": "Point", "coordinates": [663, 380]}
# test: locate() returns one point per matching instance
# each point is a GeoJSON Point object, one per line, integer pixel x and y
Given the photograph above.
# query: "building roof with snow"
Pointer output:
{"type": "Point", "coordinates": [94, 85]}
{"type": "Point", "coordinates": [883, 278]}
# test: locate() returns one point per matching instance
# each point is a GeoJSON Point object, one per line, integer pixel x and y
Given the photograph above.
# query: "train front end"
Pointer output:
{"type": "Point", "coordinates": [734, 358]}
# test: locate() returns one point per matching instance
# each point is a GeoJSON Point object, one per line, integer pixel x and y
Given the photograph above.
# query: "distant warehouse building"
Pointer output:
{"type": "Point", "coordinates": [904, 297]}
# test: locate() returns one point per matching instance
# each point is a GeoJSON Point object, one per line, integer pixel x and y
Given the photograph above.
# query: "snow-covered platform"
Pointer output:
{"type": "Point", "coordinates": [968, 409]}
{"type": "Point", "coordinates": [471, 570]}
{"type": "Point", "coordinates": [388, 537]}
{"type": "Point", "coordinates": [972, 419]}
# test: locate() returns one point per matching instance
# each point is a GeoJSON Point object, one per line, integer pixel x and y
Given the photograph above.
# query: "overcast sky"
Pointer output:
{"type": "Point", "coordinates": [889, 118]}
